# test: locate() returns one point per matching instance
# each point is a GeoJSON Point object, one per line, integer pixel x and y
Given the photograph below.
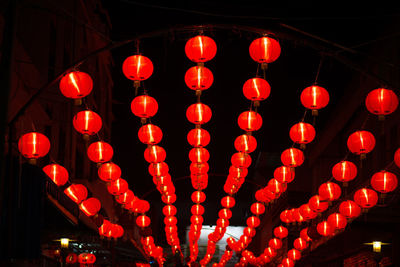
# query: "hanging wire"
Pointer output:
{"type": "Point", "coordinates": [319, 69]}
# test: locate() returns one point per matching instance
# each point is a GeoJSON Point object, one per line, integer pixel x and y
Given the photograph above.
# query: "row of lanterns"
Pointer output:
{"type": "Point", "coordinates": [84, 259]}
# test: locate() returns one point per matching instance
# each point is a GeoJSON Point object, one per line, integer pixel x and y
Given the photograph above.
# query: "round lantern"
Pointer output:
{"type": "Point", "coordinates": [300, 244]}
{"type": "Point", "coordinates": [275, 243]}
{"type": "Point", "coordinates": [302, 133]}
{"type": "Point", "coordinates": [381, 101]}
{"type": "Point", "coordinates": [197, 209]}
{"type": "Point", "coordinates": [222, 223]}
{"type": "Point", "coordinates": [265, 49]}
{"type": "Point", "coordinates": [76, 192]}
{"type": "Point", "coordinates": [198, 113]}
{"type": "Point", "coordinates": [57, 173]}
{"type": "Point", "coordinates": [150, 134]}
{"type": "Point", "coordinates": [361, 142]}
{"type": "Point", "coordinates": [228, 202]}
{"type": "Point", "coordinates": [198, 197]}
{"type": "Point", "coordinates": [344, 171]}
{"type": "Point", "coordinates": [281, 232]}
{"type": "Point", "coordinates": [144, 106]}
{"type": "Point", "coordinates": [169, 210]}
{"type": "Point", "coordinates": [397, 157]}
{"type": "Point", "coordinates": [143, 221]}
{"type": "Point", "coordinates": [250, 121]}
{"type": "Point", "coordinates": [292, 157]}
{"type": "Point", "coordinates": [90, 206]}
{"type": "Point", "coordinates": [198, 137]}
{"type": "Point", "coordinates": [87, 122]}
{"type": "Point", "coordinates": [324, 228]}
{"type": "Point", "coordinates": [304, 235]}
{"type": "Point", "coordinates": [306, 212]}
{"type": "Point", "coordinates": [125, 197]}
{"type": "Point", "coordinates": [199, 78]}
{"type": "Point", "coordinates": [200, 48]}
{"type": "Point", "coordinates": [76, 84]}
{"type": "Point", "coordinates": [199, 168]}
{"type": "Point", "coordinates": [284, 174]}
{"type": "Point", "coordinates": [245, 143]}
{"type": "Point", "coordinates": [337, 221]}
{"type": "Point", "coordinates": [249, 231]}
{"type": "Point", "coordinates": [349, 209]}
{"type": "Point", "coordinates": [253, 221]}
{"type": "Point", "coordinates": [366, 198]}
{"type": "Point", "coordinates": [257, 208]}
{"type": "Point", "coordinates": [294, 254]}
{"type": "Point", "coordinates": [285, 216]}
{"type": "Point", "coordinates": [275, 186]}
{"type": "Point", "coordinates": [329, 191]}
{"type": "Point", "coordinates": [196, 219]}
{"type": "Point", "coordinates": [109, 172]}
{"type": "Point", "coordinates": [384, 181]}
{"type": "Point", "coordinates": [314, 97]}
{"type": "Point", "coordinates": [238, 172]}
{"type": "Point", "coordinates": [158, 169]}
{"type": "Point", "coordinates": [118, 187]}
{"type": "Point", "coordinates": [86, 258]}
{"type": "Point", "coordinates": [71, 258]}
{"type": "Point", "coordinates": [317, 204]}
{"type": "Point", "coordinates": [287, 262]}
{"type": "Point", "coordinates": [105, 228]}
{"type": "Point", "coordinates": [100, 152]}
{"type": "Point", "coordinates": [241, 160]}
{"type": "Point", "coordinates": [199, 155]}
{"type": "Point", "coordinates": [33, 145]}
{"type": "Point", "coordinates": [117, 231]}
{"type": "Point", "coordinates": [169, 199]}
{"type": "Point", "coordinates": [297, 215]}
{"type": "Point", "coordinates": [256, 89]}
{"type": "Point", "coordinates": [270, 252]}
{"type": "Point", "coordinates": [137, 68]}
{"type": "Point", "coordinates": [154, 154]}
{"type": "Point", "coordinates": [225, 214]}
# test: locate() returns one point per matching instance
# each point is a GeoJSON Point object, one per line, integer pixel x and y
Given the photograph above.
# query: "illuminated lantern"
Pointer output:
{"type": "Point", "coordinates": [90, 206]}
{"type": "Point", "coordinates": [249, 231]}
{"type": "Point", "coordinates": [200, 48]}
{"type": "Point", "coordinates": [199, 155]}
{"type": "Point", "coordinates": [275, 243]}
{"type": "Point", "coordinates": [154, 154]}
{"type": "Point", "coordinates": [344, 171]}
{"type": "Point", "coordinates": [86, 258]}
{"type": "Point", "coordinates": [270, 252]}
{"type": "Point", "coordinates": [238, 172]}
{"type": "Point", "coordinates": [300, 244]}
{"type": "Point", "coordinates": [158, 169]}
{"type": "Point", "coordinates": [329, 191]}
{"type": "Point", "coordinates": [253, 221]}
{"type": "Point", "coordinates": [118, 187]}
{"type": "Point", "coordinates": [168, 199]}
{"type": "Point", "coordinates": [137, 68]}
{"type": "Point", "coordinates": [196, 219]}
{"type": "Point", "coordinates": [100, 152]}
{"type": "Point", "coordinates": [199, 181]}
{"type": "Point", "coordinates": [117, 231]}
{"type": "Point", "coordinates": [324, 228]}
{"type": "Point", "coordinates": [76, 192]}
{"type": "Point", "coordinates": [198, 197]}
{"type": "Point", "coordinates": [257, 208]}
{"type": "Point", "coordinates": [109, 172]}
{"type": "Point", "coordinates": [297, 215]}
{"type": "Point", "coordinates": [33, 145]}
{"type": "Point", "coordinates": [125, 197]}
{"type": "Point", "coordinates": [381, 101]}
{"type": "Point", "coordinates": [197, 210]}
{"type": "Point", "coordinates": [366, 198]}
{"type": "Point", "coordinates": [245, 143]}
{"type": "Point", "coordinates": [141, 206]}
{"type": "Point", "coordinates": [281, 232]}
{"type": "Point", "coordinates": [265, 49]}
{"type": "Point", "coordinates": [87, 122]}
{"type": "Point", "coordinates": [304, 235]}
{"type": "Point", "coordinates": [284, 174]}
{"type": "Point", "coordinates": [105, 228]}
{"type": "Point", "coordinates": [228, 202]}
{"type": "Point", "coordinates": [294, 254]}
{"type": "Point", "coordinates": [397, 157]}
{"type": "Point", "coordinates": [314, 97]}
{"type": "Point", "coordinates": [150, 134]}
{"type": "Point", "coordinates": [287, 262]}
{"type": "Point", "coordinates": [317, 204]}
{"type": "Point", "coordinates": [169, 210]}
{"type": "Point", "coordinates": [306, 212]}
{"type": "Point", "coordinates": [76, 84]}
{"type": "Point", "coordinates": [256, 89]}
{"type": "Point", "coordinates": [222, 223]}
{"type": "Point", "coordinates": [261, 197]}
{"type": "Point", "coordinates": [292, 157]}
{"type": "Point", "coordinates": [71, 258]}
{"type": "Point", "coordinates": [57, 173]}
{"type": "Point", "coordinates": [250, 121]}
{"type": "Point", "coordinates": [285, 216]}
{"type": "Point", "coordinates": [198, 113]}
{"type": "Point", "coordinates": [302, 133]}
{"type": "Point", "coordinates": [143, 221]}
{"type": "Point", "coordinates": [349, 209]}
{"type": "Point", "coordinates": [241, 160]}
{"type": "Point", "coordinates": [337, 221]}
{"type": "Point", "coordinates": [199, 168]}
{"type": "Point", "coordinates": [275, 186]}
{"type": "Point", "coordinates": [144, 106]}
{"type": "Point", "coordinates": [361, 142]}
{"type": "Point", "coordinates": [198, 137]}
{"type": "Point", "coordinates": [199, 78]}
{"type": "Point", "coordinates": [384, 181]}
{"type": "Point", "coordinates": [225, 214]}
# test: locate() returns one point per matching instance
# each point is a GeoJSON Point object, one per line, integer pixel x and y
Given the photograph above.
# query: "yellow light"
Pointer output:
{"type": "Point", "coordinates": [376, 246]}
{"type": "Point", "coordinates": [64, 242]}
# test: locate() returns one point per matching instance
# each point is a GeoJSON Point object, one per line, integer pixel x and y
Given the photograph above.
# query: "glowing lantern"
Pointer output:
{"type": "Point", "coordinates": [306, 212]}
{"type": "Point", "coordinates": [265, 50]}
{"type": "Point", "coordinates": [100, 152]}
{"type": "Point", "coordinates": [137, 68]}
{"type": "Point", "coordinates": [158, 169]}
{"type": "Point", "coordinates": [294, 255]}
{"type": "Point", "coordinates": [304, 235]}
{"type": "Point", "coordinates": [337, 221]}
{"type": "Point", "coordinates": [324, 228]}
{"type": "Point", "coordinates": [198, 137]}
{"type": "Point", "coordinates": [198, 113]}
{"type": "Point", "coordinates": [292, 157]}
{"type": "Point", "coordinates": [287, 262]}
{"type": "Point", "coordinates": [196, 219]}
{"type": "Point", "coordinates": [198, 197]}
{"type": "Point", "coordinates": [297, 215]}
{"type": "Point", "coordinates": [317, 204]}
{"type": "Point", "coordinates": [199, 168]}
{"type": "Point", "coordinates": [222, 223]}
{"type": "Point", "coordinates": [344, 171]}
{"type": "Point", "coordinates": [366, 198]}
{"type": "Point", "coordinates": [302, 133]}
{"type": "Point", "coordinates": [76, 84]}
{"type": "Point", "coordinates": [361, 142]}
{"type": "Point", "coordinates": [384, 181]}
{"type": "Point", "coordinates": [143, 221]}
{"type": "Point", "coordinates": [281, 232]}
{"type": "Point", "coordinates": [90, 206]}
{"type": "Point", "coordinates": [199, 78]}
{"type": "Point", "coordinates": [275, 243]}
{"type": "Point", "coordinates": [381, 101]}
{"type": "Point", "coordinates": [105, 228]}
{"type": "Point", "coordinates": [71, 258]}
{"type": "Point", "coordinates": [349, 209]}
{"type": "Point", "coordinates": [117, 231]}
{"type": "Point", "coordinates": [200, 48]}
{"type": "Point", "coordinates": [87, 122]}
{"type": "Point", "coordinates": [169, 199]}
{"type": "Point", "coordinates": [397, 157]}
{"type": "Point", "coordinates": [169, 210]}
{"type": "Point", "coordinates": [199, 155]}
{"type": "Point", "coordinates": [150, 134]}
{"type": "Point", "coordinates": [197, 209]}
{"type": "Point", "coordinates": [154, 154]}
{"type": "Point", "coordinates": [125, 197]}
{"type": "Point", "coordinates": [300, 244]}
{"type": "Point", "coordinates": [270, 252]}
{"type": "Point", "coordinates": [109, 172]}
{"type": "Point", "coordinates": [329, 191]}
{"type": "Point", "coordinates": [33, 145]}
{"type": "Point", "coordinates": [257, 208]}
{"type": "Point", "coordinates": [285, 216]}
{"type": "Point", "coordinates": [86, 258]}
{"type": "Point", "coordinates": [249, 231]}
{"type": "Point", "coordinates": [250, 121]}
{"type": "Point", "coordinates": [256, 89]}
{"type": "Point", "coordinates": [57, 173]}
{"type": "Point", "coordinates": [118, 187]}
{"type": "Point", "coordinates": [245, 143]}
{"type": "Point", "coordinates": [225, 214]}
{"type": "Point", "coordinates": [314, 97]}
{"type": "Point", "coordinates": [228, 202]}
{"type": "Point", "coordinates": [253, 221]}
{"type": "Point", "coordinates": [144, 106]}
{"type": "Point", "coordinates": [241, 160]}
{"type": "Point", "coordinates": [76, 192]}
{"type": "Point", "coordinates": [284, 174]}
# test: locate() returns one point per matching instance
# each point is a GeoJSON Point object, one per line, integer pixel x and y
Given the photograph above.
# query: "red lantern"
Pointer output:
{"type": "Point", "coordinates": [324, 228]}
{"type": "Point", "coordinates": [287, 262]}
{"type": "Point", "coordinates": [256, 89]}
{"type": "Point", "coordinates": [253, 221]}
{"type": "Point", "coordinates": [71, 258]}
{"type": "Point", "coordinates": [199, 168]}
{"type": "Point", "coordinates": [199, 155]}
{"type": "Point", "coordinates": [143, 221]}
{"type": "Point", "coordinates": [76, 84]}
{"type": "Point", "coordinates": [281, 232]}
{"type": "Point", "coordinates": [150, 134]}
{"type": "Point", "coordinates": [284, 174]}
{"type": "Point", "coordinates": [222, 223]}
{"type": "Point", "coordinates": [109, 172]}
{"type": "Point", "coordinates": [314, 97]}
{"type": "Point", "coordinates": [302, 133]}
{"type": "Point", "coordinates": [117, 231]}
{"type": "Point", "coordinates": [344, 171]}
{"type": "Point", "coordinates": [168, 199]}
{"type": "Point", "coordinates": [384, 181]}
{"type": "Point", "coordinates": [100, 152]}
{"type": "Point", "coordinates": [257, 208]}
{"type": "Point", "coordinates": [76, 192]}
{"type": "Point", "coordinates": [200, 49]}
{"type": "Point", "coordinates": [292, 157]}
{"type": "Point", "coordinates": [349, 209]}
{"type": "Point", "coordinates": [317, 204]}
{"type": "Point", "coordinates": [307, 212]}
{"type": "Point", "coordinates": [297, 215]}
{"type": "Point", "coordinates": [87, 122]}
{"type": "Point", "coordinates": [154, 154]}
{"type": "Point", "coordinates": [125, 197]}
{"type": "Point", "coordinates": [241, 160]}
{"type": "Point", "coordinates": [144, 106]}
{"type": "Point", "coordinates": [250, 121]}
{"type": "Point", "coordinates": [169, 210]}
{"type": "Point", "coordinates": [300, 244]}
{"type": "Point", "coordinates": [33, 145]}
{"type": "Point", "coordinates": [196, 219]}
{"type": "Point", "coordinates": [198, 137]}
{"type": "Point", "coordinates": [294, 254]}
{"type": "Point", "coordinates": [197, 209]}
{"type": "Point", "coordinates": [158, 169]}
{"type": "Point", "coordinates": [397, 157]}
{"type": "Point", "coordinates": [285, 216]}
{"type": "Point", "coordinates": [57, 173]}
{"type": "Point", "coordinates": [225, 214]}
{"type": "Point", "coordinates": [199, 78]}
{"type": "Point", "coordinates": [198, 197]}
{"type": "Point", "coordinates": [265, 50]}
{"type": "Point", "coordinates": [270, 252]}
{"type": "Point", "coordinates": [249, 231]}
{"type": "Point", "coordinates": [228, 202]}
{"type": "Point", "coordinates": [117, 187]}
{"type": "Point", "coordinates": [90, 206]}
{"type": "Point", "coordinates": [381, 101]}
{"type": "Point", "coordinates": [304, 235]}
{"type": "Point", "coordinates": [275, 243]}
{"type": "Point", "coordinates": [337, 221]}
{"type": "Point", "coordinates": [245, 143]}
{"type": "Point", "coordinates": [366, 198]}
{"type": "Point", "coordinates": [86, 258]}
{"type": "Point", "coordinates": [361, 142]}
{"type": "Point", "coordinates": [137, 68]}
{"type": "Point", "coordinates": [329, 191]}
{"type": "Point", "coordinates": [198, 113]}
{"type": "Point", "coordinates": [105, 228]}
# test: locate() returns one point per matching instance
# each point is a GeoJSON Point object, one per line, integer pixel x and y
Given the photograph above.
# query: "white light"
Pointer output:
{"type": "Point", "coordinates": [376, 246]}
{"type": "Point", "coordinates": [64, 242]}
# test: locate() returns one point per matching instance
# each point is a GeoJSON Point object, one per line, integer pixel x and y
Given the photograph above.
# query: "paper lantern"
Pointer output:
{"type": "Point", "coordinates": [199, 155]}
{"type": "Point", "coordinates": [281, 232]}
{"type": "Point", "coordinates": [249, 231]}
{"type": "Point", "coordinates": [144, 106]}
{"type": "Point", "coordinates": [384, 181]}
{"type": "Point", "coordinates": [257, 208]}
{"type": "Point", "coordinates": [154, 154]}
{"type": "Point", "coordinates": [198, 113]}
{"type": "Point", "coordinates": [292, 157]}
{"type": "Point", "coordinates": [284, 174]}
{"type": "Point", "coordinates": [270, 252]}
{"type": "Point", "coordinates": [200, 48]}
{"type": "Point", "coordinates": [366, 198]}
{"type": "Point", "coordinates": [105, 228]}
{"type": "Point", "coordinates": [169, 199]}
{"type": "Point", "coordinates": [197, 209]}
{"type": "Point", "coordinates": [361, 142]}
{"type": "Point", "coordinates": [253, 221]}
{"type": "Point", "coordinates": [317, 204]}
{"type": "Point", "coordinates": [143, 221]}
{"type": "Point", "coordinates": [150, 134]}
{"type": "Point", "coordinates": [169, 210]}
{"type": "Point", "coordinates": [90, 206]}
{"type": "Point", "coordinates": [285, 216]}
{"type": "Point", "coordinates": [100, 152]}
{"type": "Point", "coordinates": [109, 172]}
{"type": "Point", "coordinates": [86, 258]}
{"type": "Point", "coordinates": [198, 197]}
{"type": "Point", "coordinates": [294, 254]}
{"type": "Point", "coordinates": [275, 243]}
{"type": "Point", "coordinates": [76, 192]}
{"type": "Point", "coordinates": [302, 133]}
{"type": "Point", "coordinates": [344, 171]}
{"type": "Point", "coordinates": [250, 121]}
{"type": "Point", "coordinates": [71, 258]}
{"type": "Point", "coordinates": [196, 219]}
{"type": "Point", "coordinates": [158, 169]}
{"type": "Point", "coordinates": [117, 187]}
{"type": "Point", "coordinates": [314, 97]}
{"type": "Point", "coordinates": [225, 214]}
{"type": "Point", "coordinates": [304, 235]}
{"type": "Point", "coordinates": [125, 197]}
{"type": "Point", "coordinates": [87, 122]}
{"type": "Point", "coordinates": [228, 202]}
{"type": "Point", "coordinates": [199, 168]}
{"type": "Point", "coordinates": [33, 145]}
{"type": "Point", "coordinates": [137, 68]}
{"type": "Point", "coordinates": [306, 212]}
{"type": "Point", "coordinates": [287, 262]}
{"type": "Point", "coordinates": [222, 223]}
{"type": "Point", "coordinates": [329, 191]}
{"type": "Point", "coordinates": [57, 173]}
{"type": "Point", "coordinates": [381, 101]}
{"type": "Point", "coordinates": [199, 78]}
{"type": "Point", "coordinates": [300, 244]}
{"type": "Point", "coordinates": [265, 49]}
{"type": "Point", "coordinates": [76, 84]}
{"type": "Point", "coordinates": [241, 160]}
{"type": "Point", "coordinates": [198, 137]}
{"type": "Point", "coordinates": [324, 228]}
{"type": "Point", "coordinates": [349, 209]}
{"type": "Point", "coordinates": [256, 89]}
{"type": "Point", "coordinates": [337, 221]}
